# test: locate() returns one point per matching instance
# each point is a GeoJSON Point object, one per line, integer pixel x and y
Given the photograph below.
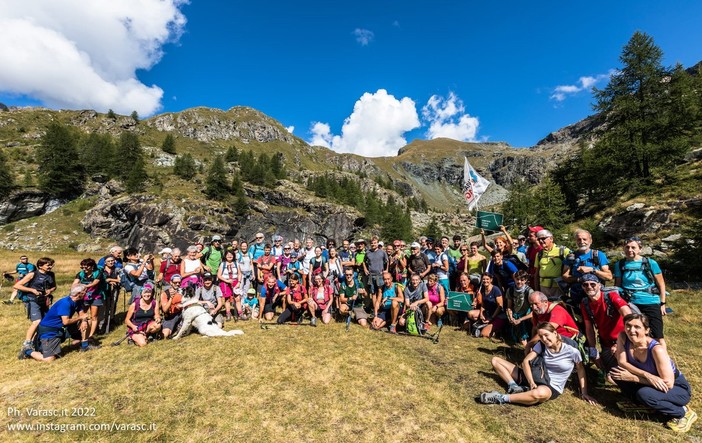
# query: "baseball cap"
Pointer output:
{"type": "Point", "coordinates": [414, 245]}
{"type": "Point", "coordinates": [521, 237]}
{"type": "Point", "coordinates": [359, 241]}
{"type": "Point", "coordinates": [535, 228]}
{"type": "Point", "coordinates": [166, 251]}
{"type": "Point", "coordinates": [216, 238]}
{"type": "Point", "coordinates": [251, 291]}
{"type": "Point", "coordinates": [207, 276]}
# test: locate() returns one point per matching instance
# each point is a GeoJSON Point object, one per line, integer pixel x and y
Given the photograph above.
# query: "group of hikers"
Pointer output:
{"type": "Point", "coordinates": [529, 291]}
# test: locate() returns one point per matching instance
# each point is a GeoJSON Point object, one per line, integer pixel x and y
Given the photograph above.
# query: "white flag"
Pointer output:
{"type": "Point", "coordinates": [474, 186]}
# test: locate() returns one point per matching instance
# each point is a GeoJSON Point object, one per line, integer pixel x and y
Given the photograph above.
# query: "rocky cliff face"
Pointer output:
{"type": "Point", "coordinates": [24, 204]}
{"type": "Point", "coordinates": [147, 222]}
{"type": "Point", "coordinates": [208, 125]}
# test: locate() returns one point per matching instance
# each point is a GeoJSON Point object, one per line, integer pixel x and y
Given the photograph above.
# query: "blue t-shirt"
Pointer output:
{"type": "Point", "coordinates": [505, 271]}
{"type": "Point", "coordinates": [266, 295]}
{"type": "Point", "coordinates": [24, 269]}
{"type": "Point", "coordinates": [490, 300]}
{"type": "Point", "coordinates": [256, 250]}
{"type": "Point", "coordinates": [389, 293]}
{"type": "Point", "coordinates": [64, 307]}
{"type": "Point", "coordinates": [637, 283]}
{"type": "Point", "coordinates": [585, 260]}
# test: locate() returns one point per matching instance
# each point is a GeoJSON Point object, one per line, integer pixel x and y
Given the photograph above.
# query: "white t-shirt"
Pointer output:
{"type": "Point", "coordinates": [559, 365]}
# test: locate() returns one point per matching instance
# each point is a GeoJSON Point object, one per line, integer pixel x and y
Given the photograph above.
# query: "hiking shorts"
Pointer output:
{"type": "Point", "coordinates": [172, 323]}
{"type": "Point", "coordinates": [51, 347]}
{"type": "Point", "coordinates": [34, 311]}
{"type": "Point", "coordinates": [375, 282]}
{"type": "Point", "coordinates": [522, 381]}
{"type": "Point", "coordinates": [268, 307]}
{"type": "Point", "coordinates": [360, 313]}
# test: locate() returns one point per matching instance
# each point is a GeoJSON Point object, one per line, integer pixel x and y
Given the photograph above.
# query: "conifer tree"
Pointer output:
{"type": "Point", "coordinates": [216, 185]}
{"type": "Point", "coordinates": [97, 154]}
{"type": "Point", "coordinates": [136, 177]}
{"type": "Point", "coordinates": [60, 172]}
{"type": "Point", "coordinates": [232, 154]}
{"type": "Point", "coordinates": [185, 167]}
{"type": "Point", "coordinates": [432, 229]}
{"type": "Point", "coordinates": [169, 144]}
{"type": "Point", "coordinates": [128, 153]}
{"type": "Point", "coordinates": [7, 181]}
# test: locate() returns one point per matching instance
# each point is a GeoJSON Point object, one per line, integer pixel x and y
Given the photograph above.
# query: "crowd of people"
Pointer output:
{"type": "Point", "coordinates": [528, 291]}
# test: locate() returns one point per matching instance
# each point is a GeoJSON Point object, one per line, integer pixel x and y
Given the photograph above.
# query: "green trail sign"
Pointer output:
{"type": "Point", "coordinates": [490, 221]}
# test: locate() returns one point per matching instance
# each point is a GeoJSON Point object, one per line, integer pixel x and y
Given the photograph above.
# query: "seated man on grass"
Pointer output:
{"type": "Point", "coordinates": [351, 293]}
{"type": "Point", "coordinates": [387, 306]}
{"type": "Point", "coordinates": [58, 324]}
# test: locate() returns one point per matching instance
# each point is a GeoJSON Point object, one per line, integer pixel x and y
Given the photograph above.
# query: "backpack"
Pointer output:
{"type": "Point", "coordinates": [126, 281]}
{"type": "Point", "coordinates": [415, 322]}
{"type": "Point", "coordinates": [645, 267]}
{"type": "Point", "coordinates": [611, 311]}
{"type": "Point", "coordinates": [520, 265]}
{"type": "Point", "coordinates": [453, 264]}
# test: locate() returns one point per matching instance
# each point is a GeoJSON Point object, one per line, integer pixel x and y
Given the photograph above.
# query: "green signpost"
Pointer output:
{"type": "Point", "coordinates": [490, 221]}
{"type": "Point", "coordinates": [459, 301]}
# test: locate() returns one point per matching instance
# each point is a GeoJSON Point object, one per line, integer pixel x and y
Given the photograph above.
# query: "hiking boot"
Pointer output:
{"type": "Point", "coordinates": [440, 323]}
{"type": "Point", "coordinates": [683, 424]}
{"type": "Point", "coordinates": [229, 316]}
{"type": "Point", "coordinates": [491, 398]}
{"type": "Point", "coordinates": [517, 389]}
{"type": "Point", "coordinates": [9, 302]}
{"type": "Point", "coordinates": [90, 347]}
{"type": "Point", "coordinates": [23, 353]}
{"type": "Point", "coordinates": [300, 318]}
{"type": "Point", "coordinates": [392, 329]}
{"type": "Point", "coordinates": [313, 321]}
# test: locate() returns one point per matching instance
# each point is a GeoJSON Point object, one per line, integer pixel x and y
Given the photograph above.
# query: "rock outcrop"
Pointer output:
{"type": "Point", "coordinates": [148, 223]}
{"type": "Point", "coordinates": [207, 125]}
{"type": "Point", "coordinates": [24, 204]}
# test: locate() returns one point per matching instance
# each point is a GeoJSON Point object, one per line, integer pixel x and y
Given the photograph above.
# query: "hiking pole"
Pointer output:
{"type": "Point", "coordinates": [119, 342]}
{"type": "Point", "coordinates": [435, 337]}
{"type": "Point", "coordinates": [348, 318]}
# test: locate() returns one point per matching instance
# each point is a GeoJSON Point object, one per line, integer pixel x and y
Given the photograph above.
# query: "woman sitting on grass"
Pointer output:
{"type": "Point", "coordinates": [646, 374]}
{"type": "Point", "coordinates": [436, 307]}
{"type": "Point", "coordinates": [522, 388]}
{"type": "Point", "coordinates": [489, 313]}
{"type": "Point", "coordinates": [143, 318]}
{"type": "Point", "coordinates": [320, 301]}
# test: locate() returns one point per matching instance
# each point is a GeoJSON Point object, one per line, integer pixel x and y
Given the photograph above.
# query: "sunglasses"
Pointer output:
{"type": "Point", "coordinates": [590, 284]}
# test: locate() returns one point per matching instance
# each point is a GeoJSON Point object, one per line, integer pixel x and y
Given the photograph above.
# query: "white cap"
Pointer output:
{"type": "Point", "coordinates": [166, 251]}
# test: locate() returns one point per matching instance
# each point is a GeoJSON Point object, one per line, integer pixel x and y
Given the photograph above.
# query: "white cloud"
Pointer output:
{"type": "Point", "coordinates": [375, 128]}
{"type": "Point", "coordinates": [290, 129]}
{"type": "Point", "coordinates": [447, 118]}
{"type": "Point", "coordinates": [76, 54]}
{"type": "Point", "coordinates": [363, 36]}
{"type": "Point", "coordinates": [585, 83]}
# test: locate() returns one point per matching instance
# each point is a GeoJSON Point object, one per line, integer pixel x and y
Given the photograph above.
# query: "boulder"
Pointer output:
{"type": "Point", "coordinates": [24, 204]}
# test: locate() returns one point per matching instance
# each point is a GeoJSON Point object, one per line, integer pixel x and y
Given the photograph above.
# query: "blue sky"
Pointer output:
{"type": "Point", "coordinates": [364, 77]}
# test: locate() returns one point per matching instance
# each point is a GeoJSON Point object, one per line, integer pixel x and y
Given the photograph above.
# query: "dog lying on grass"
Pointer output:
{"type": "Point", "coordinates": [196, 316]}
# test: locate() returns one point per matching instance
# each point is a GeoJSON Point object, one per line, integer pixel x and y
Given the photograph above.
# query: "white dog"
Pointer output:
{"type": "Point", "coordinates": [195, 315]}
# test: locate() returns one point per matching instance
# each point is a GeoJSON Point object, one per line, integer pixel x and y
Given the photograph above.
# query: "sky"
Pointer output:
{"type": "Point", "coordinates": [365, 77]}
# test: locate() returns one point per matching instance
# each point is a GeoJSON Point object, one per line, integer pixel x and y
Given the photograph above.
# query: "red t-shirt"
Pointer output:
{"type": "Point", "coordinates": [608, 328]}
{"type": "Point", "coordinates": [173, 269]}
{"type": "Point", "coordinates": [531, 253]}
{"type": "Point", "coordinates": [560, 317]}
{"type": "Point", "coordinates": [266, 260]}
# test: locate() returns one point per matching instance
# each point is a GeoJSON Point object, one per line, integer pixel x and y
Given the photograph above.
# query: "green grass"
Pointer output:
{"type": "Point", "coordinates": [294, 383]}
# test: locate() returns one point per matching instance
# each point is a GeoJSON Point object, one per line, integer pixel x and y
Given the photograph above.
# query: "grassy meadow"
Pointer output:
{"type": "Point", "coordinates": [293, 383]}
